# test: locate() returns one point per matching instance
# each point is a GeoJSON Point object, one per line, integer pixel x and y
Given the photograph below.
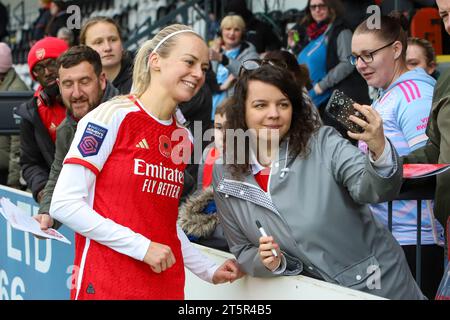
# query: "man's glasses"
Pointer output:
{"type": "Point", "coordinates": [49, 64]}
{"type": "Point", "coordinates": [253, 64]}
{"type": "Point", "coordinates": [366, 57]}
{"type": "Point", "coordinates": [317, 6]}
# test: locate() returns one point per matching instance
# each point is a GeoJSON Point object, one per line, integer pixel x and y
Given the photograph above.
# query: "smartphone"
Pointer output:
{"type": "Point", "coordinates": [340, 107]}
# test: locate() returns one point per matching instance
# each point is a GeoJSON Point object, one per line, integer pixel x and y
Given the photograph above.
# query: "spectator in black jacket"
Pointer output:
{"type": "Point", "coordinates": [356, 12]}
{"type": "Point", "coordinates": [41, 115]}
{"type": "Point", "coordinates": [39, 25]}
{"type": "Point", "coordinates": [58, 18]}
{"type": "Point", "coordinates": [259, 33]}
{"type": "Point", "coordinates": [104, 36]}
{"type": "Point", "coordinates": [4, 19]}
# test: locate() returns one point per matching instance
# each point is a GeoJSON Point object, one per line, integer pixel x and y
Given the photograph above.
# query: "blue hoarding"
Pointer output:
{"type": "Point", "coordinates": [32, 268]}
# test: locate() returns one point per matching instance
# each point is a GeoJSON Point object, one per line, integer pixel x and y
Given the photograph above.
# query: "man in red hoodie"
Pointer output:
{"type": "Point", "coordinates": [41, 115]}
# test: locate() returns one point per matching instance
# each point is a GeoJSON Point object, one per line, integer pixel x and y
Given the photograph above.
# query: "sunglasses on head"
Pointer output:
{"type": "Point", "coordinates": [253, 64]}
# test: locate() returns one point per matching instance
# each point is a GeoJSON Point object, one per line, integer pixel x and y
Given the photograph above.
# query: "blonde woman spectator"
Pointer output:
{"type": "Point", "coordinates": [227, 54]}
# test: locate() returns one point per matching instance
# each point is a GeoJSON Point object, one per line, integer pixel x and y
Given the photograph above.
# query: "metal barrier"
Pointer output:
{"type": "Point", "coordinates": [9, 101]}
{"type": "Point", "coordinates": [416, 189]}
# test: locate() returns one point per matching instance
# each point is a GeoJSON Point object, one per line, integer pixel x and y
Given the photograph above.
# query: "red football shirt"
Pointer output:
{"type": "Point", "coordinates": [138, 161]}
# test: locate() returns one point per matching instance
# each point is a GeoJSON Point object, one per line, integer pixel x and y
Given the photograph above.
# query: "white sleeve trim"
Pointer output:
{"type": "Point", "coordinates": [416, 140]}
{"type": "Point", "coordinates": [72, 205]}
{"type": "Point", "coordinates": [194, 260]}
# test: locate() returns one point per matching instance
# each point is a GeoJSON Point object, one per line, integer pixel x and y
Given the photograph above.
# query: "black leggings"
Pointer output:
{"type": "Point", "coordinates": [432, 266]}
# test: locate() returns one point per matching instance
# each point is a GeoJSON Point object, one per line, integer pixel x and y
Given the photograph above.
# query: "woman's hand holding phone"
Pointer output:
{"type": "Point", "coordinates": [361, 121]}
{"type": "Point", "coordinates": [373, 133]}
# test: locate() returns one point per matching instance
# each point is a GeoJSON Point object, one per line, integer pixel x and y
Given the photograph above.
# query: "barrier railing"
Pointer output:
{"type": "Point", "coordinates": [419, 190]}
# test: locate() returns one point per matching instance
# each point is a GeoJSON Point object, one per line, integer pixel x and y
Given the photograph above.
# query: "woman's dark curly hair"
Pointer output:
{"type": "Point", "coordinates": [300, 71]}
{"type": "Point", "coordinates": [303, 123]}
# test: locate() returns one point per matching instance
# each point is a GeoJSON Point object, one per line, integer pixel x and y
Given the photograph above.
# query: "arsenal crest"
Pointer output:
{"type": "Point", "coordinates": [40, 53]}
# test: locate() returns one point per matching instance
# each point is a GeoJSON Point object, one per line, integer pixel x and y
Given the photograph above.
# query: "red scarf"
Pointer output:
{"type": "Point", "coordinates": [315, 30]}
{"type": "Point", "coordinates": [51, 115]}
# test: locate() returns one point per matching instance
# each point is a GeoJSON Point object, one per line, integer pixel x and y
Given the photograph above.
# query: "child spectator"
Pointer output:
{"type": "Point", "coordinates": [198, 216]}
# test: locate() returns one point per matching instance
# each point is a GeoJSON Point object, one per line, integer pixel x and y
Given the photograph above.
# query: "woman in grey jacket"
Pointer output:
{"type": "Point", "coordinates": [310, 194]}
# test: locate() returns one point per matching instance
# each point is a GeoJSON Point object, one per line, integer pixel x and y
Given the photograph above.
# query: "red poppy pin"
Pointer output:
{"type": "Point", "coordinates": [165, 146]}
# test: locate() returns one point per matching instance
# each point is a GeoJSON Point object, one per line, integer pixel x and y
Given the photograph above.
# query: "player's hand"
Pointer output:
{"type": "Point", "coordinates": [228, 272]}
{"type": "Point", "coordinates": [159, 257]}
{"type": "Point", "coordinates": [373, 133]}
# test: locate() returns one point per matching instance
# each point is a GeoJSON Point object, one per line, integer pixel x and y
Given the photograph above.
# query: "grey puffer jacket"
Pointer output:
{"type": "Point", "coordinates": [316, 209]}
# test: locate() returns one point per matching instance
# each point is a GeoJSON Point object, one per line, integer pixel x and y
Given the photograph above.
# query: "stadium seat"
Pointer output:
{"type": "Point", "coordinates": [292, 15]}
{"type": "Point", "coordinates": [276, 16]}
